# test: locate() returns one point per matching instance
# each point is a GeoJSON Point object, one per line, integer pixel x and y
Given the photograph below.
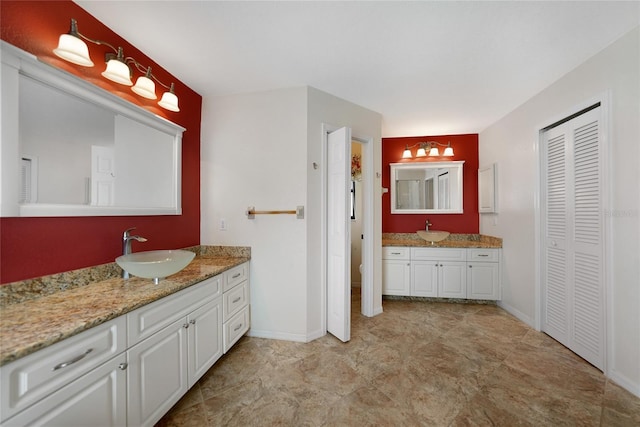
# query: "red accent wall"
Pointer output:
{"type": "Point", "coordinates": [465, 147]}
{"type": "Point", "coordinates": [32, 247]}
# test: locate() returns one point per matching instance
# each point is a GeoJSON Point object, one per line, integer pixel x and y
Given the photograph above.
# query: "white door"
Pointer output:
{"type": "Point", "coordinates": [157, 374]}
{"type": "Point", "coordinates": [424, 278]}
{"type": "Point", "coordinates": [452, 280]}
{"type": "Point", "coordinates": [338, 231]}
{"type": "Point", "coordinates": [205, 339]}
{"type": "Point", "coordinates": [573, 256]}
{"type": "Point", "coordinates": [396, 277]}
{"type": "Point", "coordinates": [102, 176]}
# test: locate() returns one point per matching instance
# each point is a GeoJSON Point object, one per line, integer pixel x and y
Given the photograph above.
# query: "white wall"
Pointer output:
{"type": "Point", "coordinates": [511, 142]}
{"type": "Point", "coordinates": [254, 153]}
{"type": "Point", "coordinates": [258, 150]}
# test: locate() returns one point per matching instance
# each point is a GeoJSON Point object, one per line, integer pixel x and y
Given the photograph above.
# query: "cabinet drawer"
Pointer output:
{"type": "Point", "coordinates": [394, 252]}
{"type": "Point", "coordinates": [98, 398]}
{"type": "Point", "coordinates": [439, 254]}
{"type": "Point", "coordinates": [153, 317]}
{"type": "Point", "coordinates": [31, 378]}
{"type": "Point", "coordinates": [235, 275]}
{"type": "Point", "coordinates": [234, 300]}
{"type": "Point", "coordinates": [236, 327]}
{"type": "Point", "coordinates": [489, 255]}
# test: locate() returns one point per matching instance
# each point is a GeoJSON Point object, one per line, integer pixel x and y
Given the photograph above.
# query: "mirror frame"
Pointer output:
{"type": "Point", "coordinates": [458, 165]}
{"type": "Point", "coordinates": [16, 62]}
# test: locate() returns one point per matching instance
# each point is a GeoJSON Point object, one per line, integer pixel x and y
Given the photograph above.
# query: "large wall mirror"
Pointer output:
{"type": "Point", "coordinates": [429, 187]}
{"type": "Point", "coordinates": [70, 148]}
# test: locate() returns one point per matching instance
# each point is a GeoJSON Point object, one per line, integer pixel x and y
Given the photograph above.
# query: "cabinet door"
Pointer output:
{"type": "Point", "coordinates": [205, 339]}
{"type": "Point", "coordinates": [157, 374]}
{"type": "Point", "coordinates": [483, 280]}
{"type": "Point", "coordinates": [396, 277]}
{"type": "Point", "coordinates": [424, 278]}
{"type": "Point", "coordinates": [452, 280]}
{"type": "Point", "coordinates": [98, 398]}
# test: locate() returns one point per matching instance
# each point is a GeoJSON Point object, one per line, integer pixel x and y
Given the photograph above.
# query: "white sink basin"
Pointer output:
{"type": "Point", "coordinates": [432, 235]}
{"type": "Point", "coordinates": [155, 264]}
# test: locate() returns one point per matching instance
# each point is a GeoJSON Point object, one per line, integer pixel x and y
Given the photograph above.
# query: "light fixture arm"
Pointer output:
{"type": "Point", "coordinates": [74, 32]}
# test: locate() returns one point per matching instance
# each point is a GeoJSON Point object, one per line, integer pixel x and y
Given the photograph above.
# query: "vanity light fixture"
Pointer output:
{"type": "Point", "coordinates": [432, 146]}
{"type": "Point", "coordinates": [72, 48]}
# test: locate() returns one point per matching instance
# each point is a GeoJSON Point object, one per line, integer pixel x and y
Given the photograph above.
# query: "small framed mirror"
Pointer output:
{"type": "Point", "coordinates": [426, 188]}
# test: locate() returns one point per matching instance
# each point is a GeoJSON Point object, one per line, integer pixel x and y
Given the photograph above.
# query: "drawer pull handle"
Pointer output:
{"type": "Point", "coordinates": [471, 266]}
{"type": "Point", "coordinates": [186, 326]}
{"type": "Point", "coordinates": [235, 276]}
{"type": "Point", "coordinates": [123, 366]}
{"type": "Point", "coordinates": [72, 361]}
{"type": "Point", "coordinates": [395, 253]}
{"type": "Point", "coordinates": [483, 254]}
{"type": "Point", "coordinates": [237, 328]}
{"type": "Point", "coordinates": [236, 300]}
{"type": "Point", "coordinates": [192, 321]}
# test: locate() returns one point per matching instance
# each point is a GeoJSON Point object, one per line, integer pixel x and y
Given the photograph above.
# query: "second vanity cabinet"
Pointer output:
{"type": "Point", "coordinates": [464, 273]}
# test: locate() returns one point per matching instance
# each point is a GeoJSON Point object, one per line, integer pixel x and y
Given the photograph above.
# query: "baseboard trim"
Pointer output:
{"type": "Point", "coordinates": [285, 336]}
{"type": "Point", "coordinates": [624, 382]}
{"type": "Point", "coordinates": [516, 313]}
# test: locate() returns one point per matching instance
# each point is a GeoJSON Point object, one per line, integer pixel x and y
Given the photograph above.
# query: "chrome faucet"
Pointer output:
{"type": "Point", "coordinates": [427, 225]}
{"type": "Point", "coordinates": [126, 246]}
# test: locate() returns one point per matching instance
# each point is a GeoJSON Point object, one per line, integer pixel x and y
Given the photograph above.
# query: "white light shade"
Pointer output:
{"type": "Point", "coordinates": [434, 151]}
{"type": "Point", "coordinates": [448, 152]}
{"type": "Point", "coordinates": [406, 154]}
{"type": "Point", "coordinates": [145, 87]}
{"type": "Point", "coordinates": [169, 102]}
{"type": "Point", "coordinates": [118, 72]}
{"type": "Point", "coordinates": [421, 152]}
{"type": "Point", "coordinates": [72, 49]}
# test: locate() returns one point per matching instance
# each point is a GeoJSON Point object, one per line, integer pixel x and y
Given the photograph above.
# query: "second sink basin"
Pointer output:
{"type": "Point", "coordinates": [433, 236]}
{"type": "Point", "coordinates": [155, 264]}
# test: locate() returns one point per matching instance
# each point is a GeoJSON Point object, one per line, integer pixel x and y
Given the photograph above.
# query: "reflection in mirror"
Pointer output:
{"type": "Point", "coordinates": [434, 187]}
{"type": "Point", "coordinates": [70, 148]}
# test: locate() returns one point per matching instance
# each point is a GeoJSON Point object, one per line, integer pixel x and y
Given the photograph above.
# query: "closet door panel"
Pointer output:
{"type": "Point", "coordinates": [555, 316]}
{"type": "Point", "coordinates": [588, 277]}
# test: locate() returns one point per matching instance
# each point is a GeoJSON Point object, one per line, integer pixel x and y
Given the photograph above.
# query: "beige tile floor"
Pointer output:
{"type": "Point", "coordinates": [417, 364]}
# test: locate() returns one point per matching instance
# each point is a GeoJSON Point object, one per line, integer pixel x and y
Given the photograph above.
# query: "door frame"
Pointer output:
{"type": "Point", "coordinates": [604, 99]}
{"type": "Point", "coordinates": [367, 285]}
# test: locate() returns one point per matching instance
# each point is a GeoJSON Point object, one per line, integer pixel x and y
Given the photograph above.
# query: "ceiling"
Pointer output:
{"type": "Point", "coordinates": [430, 68]}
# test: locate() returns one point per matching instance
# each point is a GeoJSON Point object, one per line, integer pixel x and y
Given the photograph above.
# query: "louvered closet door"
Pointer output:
{"type": "Point", "coordinates": [573, 270]}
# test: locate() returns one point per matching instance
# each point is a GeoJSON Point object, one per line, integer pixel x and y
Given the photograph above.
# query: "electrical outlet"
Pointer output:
{"type": "Point", "coordinates": [223, 224]}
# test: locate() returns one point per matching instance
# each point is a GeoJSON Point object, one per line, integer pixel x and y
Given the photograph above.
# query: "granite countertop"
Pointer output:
{"type": "Point", "coordinates": [453, 241]}
{"type": "Point", "coordinates": [35, 323]}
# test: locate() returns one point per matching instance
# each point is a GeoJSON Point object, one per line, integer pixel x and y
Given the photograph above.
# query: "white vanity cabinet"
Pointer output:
{"type": "Point", "coordinates": [396, 270]}
{"type": "Point", "coordinates": [483, 274]}
{"type": "Point", "coordinates": [235, 304]}
{"type": "Point", "coordinates": [133, 369]}
{"type": "Point", "coordinates": [173, 342]}
{"type": "Point", "coordinates": [438, 272]}
{"type": "Point", "coordinates": [463, 273]}
{"type": "Point", "coordinates": [79, 381]}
